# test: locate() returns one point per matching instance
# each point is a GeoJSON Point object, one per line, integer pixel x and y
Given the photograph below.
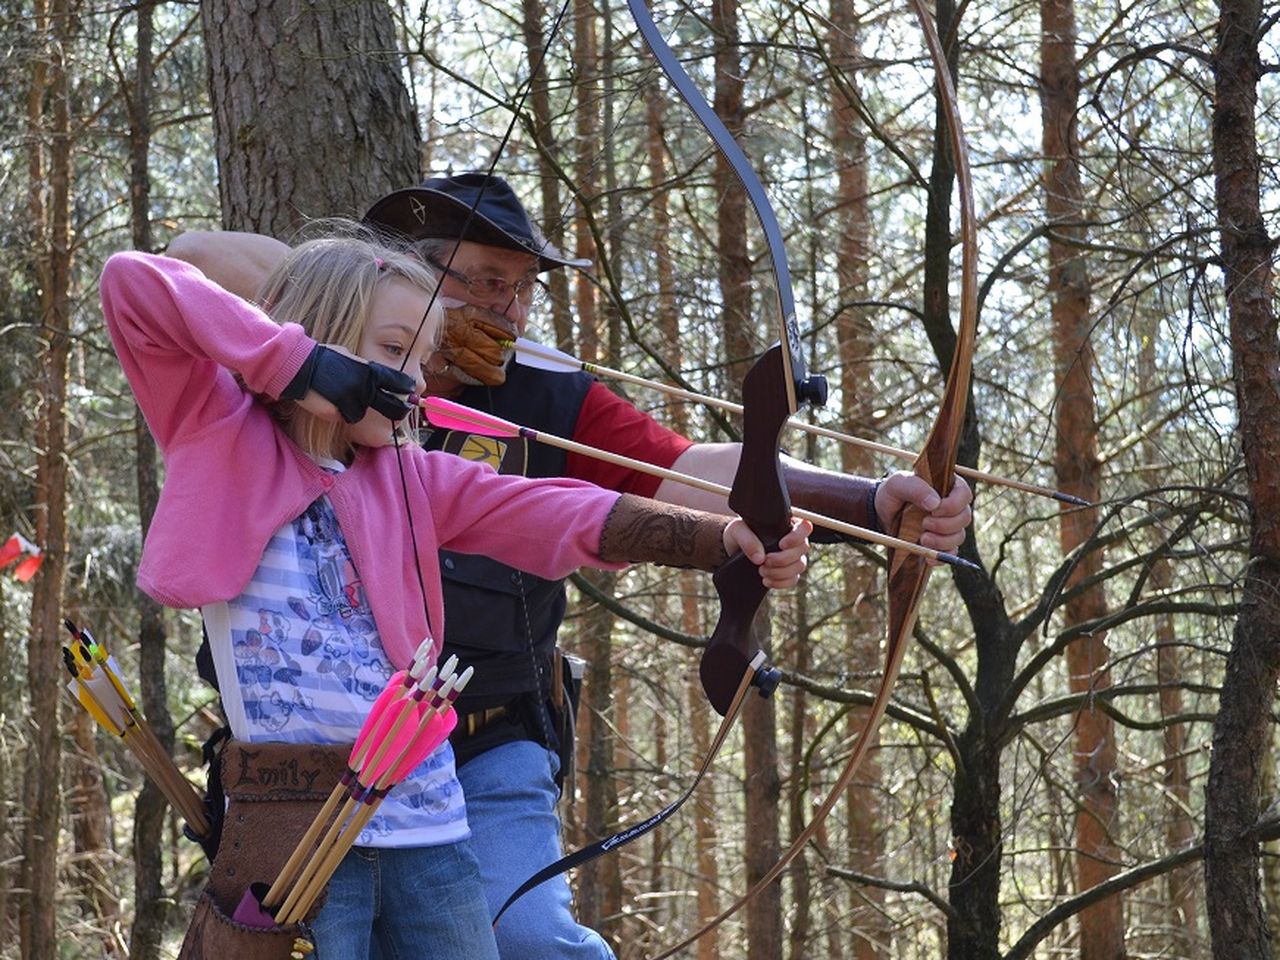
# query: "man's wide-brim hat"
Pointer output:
{"type": "Point", "coordinates": [471, 206]}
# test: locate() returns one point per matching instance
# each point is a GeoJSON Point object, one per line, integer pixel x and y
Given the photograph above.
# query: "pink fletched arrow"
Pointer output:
{"type": "Point", "coordinates": [396, 690]}
{"type": "Point", "coordinates": [392, 693]}
{"type": "Point", "coordinates": [426, 738]}
{"type": "Point", "coordinates": [448, 415]}
{"type": "Point", "coordinates": [438, 720]}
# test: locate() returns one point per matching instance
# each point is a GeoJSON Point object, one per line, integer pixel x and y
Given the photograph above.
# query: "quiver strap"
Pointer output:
{"type": "Point", "coordinates": [274, 791]}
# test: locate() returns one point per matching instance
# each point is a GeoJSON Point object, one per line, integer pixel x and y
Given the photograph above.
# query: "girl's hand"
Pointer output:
{"type": "Point", "coordinates": [334, 384]}
{"type": "Point", "coordinates": [778, 570]}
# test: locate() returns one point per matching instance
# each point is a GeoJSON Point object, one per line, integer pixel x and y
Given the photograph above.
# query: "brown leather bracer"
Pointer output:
{"type": "Point", "coordinates": [640, 530]}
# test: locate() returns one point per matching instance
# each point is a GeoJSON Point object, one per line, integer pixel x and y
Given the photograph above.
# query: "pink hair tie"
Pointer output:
{"type": "Point", "coordinates": [378, 262]}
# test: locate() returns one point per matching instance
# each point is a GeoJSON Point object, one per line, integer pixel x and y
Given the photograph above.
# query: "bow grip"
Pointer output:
{"type": "Point", "coordinates": [733, 645]}
{"type": "Point", "coordinates": [759, 494]}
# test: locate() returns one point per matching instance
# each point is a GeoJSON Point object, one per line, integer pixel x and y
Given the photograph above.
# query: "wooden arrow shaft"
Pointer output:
{"type": "Point", "coordinates": [819, 431]}
{"type": "Point", "coordinates": [664, 473]}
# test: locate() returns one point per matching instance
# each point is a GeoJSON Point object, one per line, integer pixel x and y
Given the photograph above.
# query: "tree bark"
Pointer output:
{"type": "Point", "coordinates": [707, 875]}
{"type": "Point", "coordinates": [1243, 726]}
{"type": "Point", "coordinates": [869, 926]}
{"type": "Point", "coordinates": [1182, 885]}
{"type": "Point", "coordinates": [310, 110]}
{"type": "Point", "coordinates": [600, 881]}
{"type": "Point", "coordinates": [1078, 468]}
{"type": "Point", "coordinates": [731, 201]}
{"type": "Point", "coordinates": [532, 12]}
{"type": "Point", "coordinates": [586, 155]}
{"type": "Point", "coordinates": [801, 936]}
{"type": "Point", "coordinates": [149, 813]}
{"type": "Point", "coordinates": [50, 211]}
{"type": "Point", "coordinates": [87, 807]}
{"type": "Point", "coordinates": [763, 790]}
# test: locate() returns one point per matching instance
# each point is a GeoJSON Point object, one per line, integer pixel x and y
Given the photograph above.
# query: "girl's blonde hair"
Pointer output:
{"type": "Point", "coordinates": [327, 286]}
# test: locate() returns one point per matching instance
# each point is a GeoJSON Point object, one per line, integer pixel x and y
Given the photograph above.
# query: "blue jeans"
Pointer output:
{"type": "Point", "coordinates": [511, 807]}
{"type": "Point", "coordinates": [407, 903]}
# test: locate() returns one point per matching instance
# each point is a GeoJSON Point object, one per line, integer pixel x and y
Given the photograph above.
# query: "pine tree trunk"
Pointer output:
{"type": "Point", "coordinates": [51, 228]}
{"type": "Point", "coordinates": [1182, 884]}
{"type": "Point", "coordinates": [9, 811]}
{"type": "Point", "coordinates": [586, 156]}
{"type": "Point", "coordinates": [763, 793]}
{"type": "Point", "coordinates": [869, 927]}
{"type": "Point", "coordinates": [1243, 727]}
{"type": "Point", "coordinates": [150, 811]}
{"type": "Point", "coordinates": [599, 886]}
{"type": "Point", "coordinates": [310, 110]}
{"type": "Point", "coordinates": [707, 875]}
{"type": "Point", "coordinates": [730, 199]}
{"type": "Point", "coordinates": [87, 807]}
{"type": "Point", "coordinates": [532, 13]}
{"type": "Point", "coordinates": [1097, 854]}
{"type": "Point", "coordinates": [802, 937]}
{"type": "Point", "coordinates": [704, 799]}
{"type": "Point", "coordinates": [759, 717]}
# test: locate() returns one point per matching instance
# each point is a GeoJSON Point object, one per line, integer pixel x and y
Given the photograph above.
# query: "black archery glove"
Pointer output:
{"type": "Point", "coordinates": [351, 385]}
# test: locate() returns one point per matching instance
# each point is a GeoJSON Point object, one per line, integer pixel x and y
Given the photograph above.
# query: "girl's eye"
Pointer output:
{"type": "Point", "coordinates": [394, 349]}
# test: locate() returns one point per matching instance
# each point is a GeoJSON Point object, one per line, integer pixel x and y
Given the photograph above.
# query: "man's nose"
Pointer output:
{"type": "Point", "coordinates": [515, 310]}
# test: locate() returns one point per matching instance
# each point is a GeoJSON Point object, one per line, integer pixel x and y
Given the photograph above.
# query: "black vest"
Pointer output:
{"type": "Point", "coordinates": [499, 619]}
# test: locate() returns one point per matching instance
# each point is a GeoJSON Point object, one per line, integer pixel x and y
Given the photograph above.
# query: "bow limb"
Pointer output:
{"type": "Point", "coordinates": [771, 393]}
{"type": "Point", "coordinates": [936, 462]}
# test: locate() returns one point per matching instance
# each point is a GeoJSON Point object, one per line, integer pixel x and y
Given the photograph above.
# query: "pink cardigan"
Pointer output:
{"type": "Point", "coordinates": [233, 477]}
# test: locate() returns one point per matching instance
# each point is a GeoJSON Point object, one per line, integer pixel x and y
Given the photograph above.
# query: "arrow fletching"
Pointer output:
{"type": "Point", "coordinates": [394, 689]}
{"type": "Point", "coordinates": [541, 357]}
{"type": "Point", "coordinates": [86, 698]}
{"type": "Point", "coordinates": [447, 415]}
{"type": "Point", "coordinates": [427, 738]}
{"type": "Point", "coordinates": [402, 751]}
{"type": "Point", "coordinates": [431, 733]}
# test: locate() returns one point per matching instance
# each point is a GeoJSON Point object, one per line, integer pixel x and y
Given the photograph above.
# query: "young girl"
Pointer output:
{"type": "Point", "coordinates": [310, 541]}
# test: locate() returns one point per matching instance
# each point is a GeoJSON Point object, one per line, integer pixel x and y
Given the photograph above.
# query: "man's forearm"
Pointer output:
{"type": "Point", "coordinates": [846, 498]}
{"type": "Point", "coordinates": [238, 262]}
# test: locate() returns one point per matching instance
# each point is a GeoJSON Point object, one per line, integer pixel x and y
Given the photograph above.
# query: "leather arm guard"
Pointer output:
{"type": "Point", "coordinates": [848, 498]}
{"type": "Point", "coordinates": [640, 530]}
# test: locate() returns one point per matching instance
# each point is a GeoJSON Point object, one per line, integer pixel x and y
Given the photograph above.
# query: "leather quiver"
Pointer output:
{"type": "Point", "coordinates": [274, 791]}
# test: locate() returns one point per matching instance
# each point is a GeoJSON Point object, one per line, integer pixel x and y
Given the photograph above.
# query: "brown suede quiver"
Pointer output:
{"type": "Point", "coordinates": [274, 791]}
{"type": "Point", "coordinates": [215, 936]}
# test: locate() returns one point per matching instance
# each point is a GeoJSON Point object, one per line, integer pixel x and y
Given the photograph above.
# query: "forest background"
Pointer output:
{"type": "Point", "coordinates": [1080, 756]}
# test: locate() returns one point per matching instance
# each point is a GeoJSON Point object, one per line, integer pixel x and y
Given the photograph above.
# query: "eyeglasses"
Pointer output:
{"type": "Point", "coordinates": [528, 291]}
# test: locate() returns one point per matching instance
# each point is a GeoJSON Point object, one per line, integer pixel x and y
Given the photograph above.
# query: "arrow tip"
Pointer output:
{"type": "Point", "coordinates": [955, 561]}
{"type": "Point", "coordinates": [1073, 500]}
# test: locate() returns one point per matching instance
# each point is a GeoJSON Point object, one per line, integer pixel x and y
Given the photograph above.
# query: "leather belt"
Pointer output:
{"type": "Point", "coordinates": [473, 723]}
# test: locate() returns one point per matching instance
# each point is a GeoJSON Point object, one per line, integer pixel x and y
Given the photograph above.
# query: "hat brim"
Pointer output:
{"type": "Point", "coordinates": [421, 213]}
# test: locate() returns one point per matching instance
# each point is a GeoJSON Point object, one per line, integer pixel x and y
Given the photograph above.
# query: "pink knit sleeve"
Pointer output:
{"type": "Point", "coordinates": [179, 336]}
{"type": "Point", "coordinates": [547, 526]}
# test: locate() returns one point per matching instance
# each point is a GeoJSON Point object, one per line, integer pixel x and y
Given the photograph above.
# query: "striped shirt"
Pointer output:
{"type": "Point", "coordinates": [299, 661]}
